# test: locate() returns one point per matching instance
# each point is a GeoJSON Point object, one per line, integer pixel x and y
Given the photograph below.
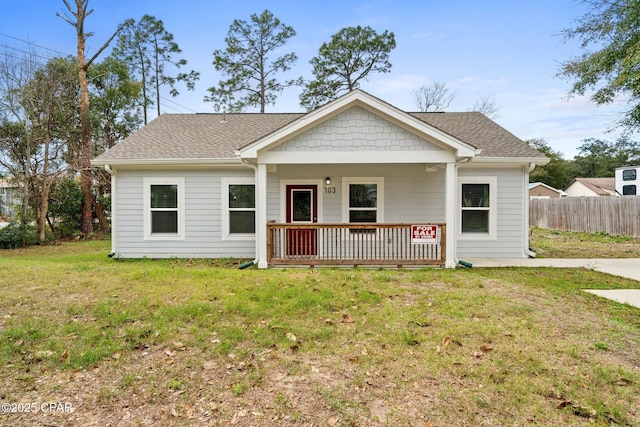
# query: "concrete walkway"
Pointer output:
{"type": "Point", "coordinates": [623, 267]}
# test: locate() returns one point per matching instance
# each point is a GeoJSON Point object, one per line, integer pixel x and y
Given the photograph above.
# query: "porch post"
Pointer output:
{"type": "Point", "coordinates": [261, 215]}
{"type": "Point", "coordinates": [450, 214]}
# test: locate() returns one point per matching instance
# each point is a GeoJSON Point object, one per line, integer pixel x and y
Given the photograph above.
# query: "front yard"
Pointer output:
{"type": "Point", "coordinates": [193, 342]}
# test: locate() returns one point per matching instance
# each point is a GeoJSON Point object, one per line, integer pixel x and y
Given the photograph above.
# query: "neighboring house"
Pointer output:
{"type": "Point", "coordinates": [591, 187]}
{"type": "Point", "coordinates": [8, 198]}
{"type": "Point", "coordinates": [343, 184]}
{"type": "Point", "coordinates": [627, 181]}
{"type": "Point", "coordinates": [540, 190]}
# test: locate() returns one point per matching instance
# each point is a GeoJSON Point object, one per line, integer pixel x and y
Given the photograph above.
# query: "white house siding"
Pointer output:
{"type": "Point", "coordinates": [203, 232]}
{"type": "Point", "coordinates": [510, 234]}
{"type": "Point", "coordinates": [411, 194]}
{"type": "Point", "coordinates": [356, 129]}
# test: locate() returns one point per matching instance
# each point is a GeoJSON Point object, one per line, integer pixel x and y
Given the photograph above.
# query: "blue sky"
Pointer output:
{"type": "Point", "coordinates": [508, 50]}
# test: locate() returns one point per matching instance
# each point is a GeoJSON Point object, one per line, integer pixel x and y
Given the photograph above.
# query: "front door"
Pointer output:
{"type": "Point", "coordinates": [302, 208]}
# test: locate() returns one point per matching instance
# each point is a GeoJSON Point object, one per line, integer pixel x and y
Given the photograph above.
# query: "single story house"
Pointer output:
{"type": "Point", "coordinates": [540, 190]}
{"type": "Point", "coordinates": [591, 187]}
{"type": "Point", "coordinates": [355, 182]}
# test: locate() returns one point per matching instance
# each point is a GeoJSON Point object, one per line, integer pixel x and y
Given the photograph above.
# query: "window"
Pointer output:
{"type": "Point", "coordinates": [477, 207]}
{"type": "Point", "coordinates": [629, 190]}
{"type": "Point", "coordinates": [363, 200]}
{"type": "Point", "coordinates": [629, 175]}
{"type": "Point", "coordinates": [238, 208]}
{"type": "Point", "coordinates": [164, 208]}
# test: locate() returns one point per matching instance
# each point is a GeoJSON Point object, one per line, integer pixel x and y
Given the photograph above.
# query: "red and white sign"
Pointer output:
{"type": "Point", "coordinates": [421, 234]}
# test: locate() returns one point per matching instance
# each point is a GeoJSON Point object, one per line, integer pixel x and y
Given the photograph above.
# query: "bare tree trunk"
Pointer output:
{"type": "Point", "coordinates": [85, 147]}
{"type": "Point", "coordinates": [80, 13]}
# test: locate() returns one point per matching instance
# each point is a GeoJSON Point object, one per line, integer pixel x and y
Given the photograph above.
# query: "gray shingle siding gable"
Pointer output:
{"type": "Point", "coordinates": [356, 129]}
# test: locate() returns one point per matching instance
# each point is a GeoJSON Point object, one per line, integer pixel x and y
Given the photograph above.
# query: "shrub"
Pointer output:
{"type": "Point", "coordinates": [17, 235]}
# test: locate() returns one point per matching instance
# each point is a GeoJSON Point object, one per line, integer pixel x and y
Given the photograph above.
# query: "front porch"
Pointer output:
{"type": "Point", "coordinates": [354, 244]}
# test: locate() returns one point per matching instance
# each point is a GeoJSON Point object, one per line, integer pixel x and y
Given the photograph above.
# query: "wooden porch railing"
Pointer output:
{"type": "Point", "coordinates": [351, 244]}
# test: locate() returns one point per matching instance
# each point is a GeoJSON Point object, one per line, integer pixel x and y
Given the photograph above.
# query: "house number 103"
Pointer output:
{"type": "Point", "coordinates": [329, 190]}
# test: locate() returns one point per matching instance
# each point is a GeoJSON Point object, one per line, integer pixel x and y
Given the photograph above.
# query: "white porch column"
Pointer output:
{"type": "Point", "coordinates": [450, 213]}
{"type": "Point", "coordinates": [261, 215]}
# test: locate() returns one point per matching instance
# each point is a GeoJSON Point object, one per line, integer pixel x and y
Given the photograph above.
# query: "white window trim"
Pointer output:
{"type": "Point", "coordinates": [493, 205]}
{"type": "Point", "coordinates": [147, 183]}
{"type": "Point", "coordinates": [225, 183]}
{"type": "Point", "coordinates": [346, 181]}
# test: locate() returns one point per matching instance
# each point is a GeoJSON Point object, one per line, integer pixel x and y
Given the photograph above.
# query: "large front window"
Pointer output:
{"type": "Point", "coordinates": [238, 208]}
{"type": "Point", "coordinates": [477, 206]}
{"type": "Point", "coordinates": [242, 209]}
{"type": "Point", "coordinates": [164, 208]}
{"type": "Point", "coordinates": [363, 200]}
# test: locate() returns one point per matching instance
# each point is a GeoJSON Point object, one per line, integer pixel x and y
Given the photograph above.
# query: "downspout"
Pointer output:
{"type": "Point", "coordinates": [255, 180]}
{"type": "Point", "coordinates": [528, 252]}
{"type": "Point", "coordinates": [114, 228]}
{"type": "Point", "coordinates": [455, 259]}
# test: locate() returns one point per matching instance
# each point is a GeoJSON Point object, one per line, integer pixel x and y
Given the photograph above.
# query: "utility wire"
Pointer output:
{"type": "Point", "coordinates": [33, 44]}
{"type": "Point", "coordinates": [179, 105]}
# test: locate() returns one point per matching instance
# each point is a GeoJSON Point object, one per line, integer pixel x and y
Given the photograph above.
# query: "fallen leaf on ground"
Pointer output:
{"type": "Point", "coordinates": [65, 355]}
{"type": "Point", "coordinates": [347, 319]}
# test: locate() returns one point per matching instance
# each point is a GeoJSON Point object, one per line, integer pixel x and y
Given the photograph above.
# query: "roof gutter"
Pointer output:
{"type": "Point", "coordinates": [524, 160]}
{"type": "Point", "coordinates": [168, 162]}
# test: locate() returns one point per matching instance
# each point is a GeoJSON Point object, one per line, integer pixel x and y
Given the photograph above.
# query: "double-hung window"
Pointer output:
{"type": "Point", "coordinates": [164, 208]}
{"type": "Point", "coordinates": [478, 207]}
{"type": "Point", "coordinates": [238, 208]}
{"type": "Point", "coordinates": [363, 200]}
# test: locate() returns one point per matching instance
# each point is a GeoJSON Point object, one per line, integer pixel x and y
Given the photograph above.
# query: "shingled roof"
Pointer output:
{"type": "Point", "coordinates": [217, 136]}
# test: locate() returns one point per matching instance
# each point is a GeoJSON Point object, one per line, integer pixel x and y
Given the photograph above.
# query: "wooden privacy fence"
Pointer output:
{"type": "Point", "coordinates": [351, 244]}
{"type": "Point", "coordinates": [612, 215]}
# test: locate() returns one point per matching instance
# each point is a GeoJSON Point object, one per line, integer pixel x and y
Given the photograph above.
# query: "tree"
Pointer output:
{"type": "Point", "coordinates": [486, 106]}
{"type": "Point", "coordinates": [557, 172]}
{"type": "Point", "coordinates": [50, 103]}
{"type": "Point", "coordinates": [598, 158]}
{"type": "Point", "coordinates": [79, 15]}
{"type": "Point", "coordinates": [351, 55]}
{"type": "Point", "coordinates": [40, 117]}
{"type": "Point", "coordinates": [612, 28]}
{"type": "Point", "coordinates": [114, 101]}
{"type": "Point", "coordinates": [433, 99]}
{"type": "Point", "coordinates": [15, 148]}
{"type": "Point", "coordinates": [246, 61]}
{"type": "Point", "coordinates": [149, 49]}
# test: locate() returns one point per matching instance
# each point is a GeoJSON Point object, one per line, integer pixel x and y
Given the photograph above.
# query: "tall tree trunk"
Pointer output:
{"type": "Point", "coordinates": [99, 206]}
{"type": "Point", "coordinates": [80, 13]}
{"type": "Point", "coordinates": [85, 144]}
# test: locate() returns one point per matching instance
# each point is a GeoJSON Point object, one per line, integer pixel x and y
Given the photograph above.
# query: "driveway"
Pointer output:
{"type": "Point", "coordinates": [623, 267]}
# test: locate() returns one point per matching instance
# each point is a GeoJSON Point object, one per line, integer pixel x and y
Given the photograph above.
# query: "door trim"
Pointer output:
{"type": "Point", "coordinates": [319, 183]}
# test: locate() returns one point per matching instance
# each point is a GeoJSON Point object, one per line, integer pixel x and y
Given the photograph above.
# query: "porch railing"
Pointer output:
{"type": "Point", "coordinates": [351, 244]}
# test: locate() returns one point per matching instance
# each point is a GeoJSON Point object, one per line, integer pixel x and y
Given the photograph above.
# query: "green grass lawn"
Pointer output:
{"type": "Point", "coordinates": [193, 342]}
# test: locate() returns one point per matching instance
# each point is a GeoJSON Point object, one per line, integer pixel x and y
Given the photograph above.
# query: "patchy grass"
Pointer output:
{"type": "Point", "coordinates": [569, 244]}
{"type": "Point", "coordinates": [191, 342]}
